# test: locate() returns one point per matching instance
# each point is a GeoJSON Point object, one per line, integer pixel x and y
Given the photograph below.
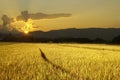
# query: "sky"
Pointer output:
{"type": "Point", "coordinates": [85, 13]}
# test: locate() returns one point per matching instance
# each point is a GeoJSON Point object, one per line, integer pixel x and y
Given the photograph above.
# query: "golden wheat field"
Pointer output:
{"type": "Point", "coordinates": [23, 61]}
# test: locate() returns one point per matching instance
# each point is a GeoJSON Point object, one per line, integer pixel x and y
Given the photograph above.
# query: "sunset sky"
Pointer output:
{"type": "Point", "coordinates": [85, 13]}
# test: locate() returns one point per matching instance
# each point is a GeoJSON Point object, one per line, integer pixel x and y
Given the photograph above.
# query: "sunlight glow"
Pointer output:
{"type": "Point", "coordinates": [26, 32]}
{"type": "Point", "coordinates": [28, 26]}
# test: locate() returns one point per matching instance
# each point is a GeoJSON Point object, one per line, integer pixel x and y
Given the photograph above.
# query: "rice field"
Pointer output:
{"type": "Point", "coordinates": [23, 61]}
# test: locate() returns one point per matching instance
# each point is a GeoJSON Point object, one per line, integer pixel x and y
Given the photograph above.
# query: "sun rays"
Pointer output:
{"type": "Point", "coordinates": [28, 26]}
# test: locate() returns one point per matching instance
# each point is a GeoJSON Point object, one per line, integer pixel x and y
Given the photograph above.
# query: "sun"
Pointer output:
{"type": "Point", "coordinates": [27, 27]}
{"type": "Point", "coordinates": [26, 32]}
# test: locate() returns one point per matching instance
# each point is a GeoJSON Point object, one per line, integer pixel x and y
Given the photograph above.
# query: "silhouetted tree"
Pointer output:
{"type": "Point", "coordinates": [116, 39]}
{"type": "Point", "coordinates": [99, 40]}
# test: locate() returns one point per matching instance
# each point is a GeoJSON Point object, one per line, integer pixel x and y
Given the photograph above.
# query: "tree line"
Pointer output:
{"type": "Point", "coordinates": [24, 38]}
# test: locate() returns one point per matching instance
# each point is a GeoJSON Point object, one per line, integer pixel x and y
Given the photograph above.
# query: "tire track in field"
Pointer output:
{"type": "Point", "coordinates": [57, 66]}
{"type": "Point", "coordinates": [93, 48]}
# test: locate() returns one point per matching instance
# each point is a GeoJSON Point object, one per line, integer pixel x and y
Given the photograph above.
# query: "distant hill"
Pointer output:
{"type": "Point", "coordinates": [96, 34]}
{"type": "Point", "coordinates": [92, 33]}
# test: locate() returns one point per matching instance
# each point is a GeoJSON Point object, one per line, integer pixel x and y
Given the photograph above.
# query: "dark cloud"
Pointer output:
{"type": "Point", "coordinates": [24, 16]}
{"type": "Point", "coordinates": [37, 16]}
{"type": "Point", "coordinates": [6, 20]}
{"type": "Point", "coordinates": [6, 26]}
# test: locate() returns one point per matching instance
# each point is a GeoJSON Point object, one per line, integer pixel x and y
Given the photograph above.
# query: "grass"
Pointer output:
{"type": "Point", "coordinates": [22, 61]}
